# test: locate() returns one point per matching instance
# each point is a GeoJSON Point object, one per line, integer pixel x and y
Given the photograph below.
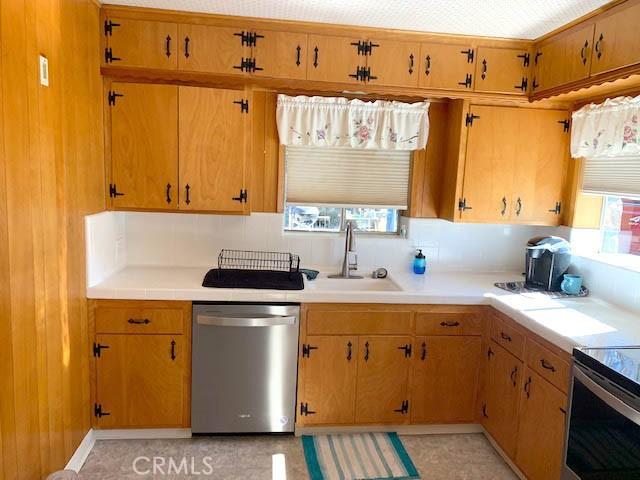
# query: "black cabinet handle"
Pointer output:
{"type": "Point", "coordinates": [489, 353]}
{"type": "Point", "coordinates": [315, 57]}
{"type": "Point", "coordinates": [527, 387]}
{"type": "Point", "coordinates": [139, 321]}
{"type": "Point", "coordinates": [505, 336]}
{"type": "Point", "coordinates": [518, 206]}
{"type": "Point", "coordinates": [349, 351]}
{"type": "Point", "coordinates": [583, 52]}
{"type": "Point", "coordinates": [169, 193]}
{"type": "Point", "coordinates": [598, 49]}
{"type": "Point", "coordinates": [484, 69]}
{"type": "Point", "coordinates": [411, 64]}
{"type": "Point", "coordinates": [298, 49]}
{"type": "Point", "coordinates": [423, 356]}
{"type": "Point", "coordinates": [449, 324]}
{"type": "Point", "coordinates": [546, 365]}
{"type": "Point", "coordinates": [173, 349]}
{"type": "Point", "coordinates": [168, 46]}
{"type": "Point", "coordinates": [186, 46]}
{"type": "Point", "coordinates": [504, 206]}
{"type": "Point", "coordinates": [427, 68]}
{"type": "Point", "coordinates": [366, 351]}
{"type": "Point", "coordinates": [187, 188]}
{"type": "Point", "coordinates": [514, 376]}
{"type": "Point", "coordinates": [484, 411]}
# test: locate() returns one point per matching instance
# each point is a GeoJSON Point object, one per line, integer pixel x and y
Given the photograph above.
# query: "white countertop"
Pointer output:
{"type": "Point", "coordinates": [566, 323]}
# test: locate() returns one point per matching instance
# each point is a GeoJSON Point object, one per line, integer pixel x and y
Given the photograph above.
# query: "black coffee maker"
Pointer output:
{"type": "Point", "coordinates": [548, 259]}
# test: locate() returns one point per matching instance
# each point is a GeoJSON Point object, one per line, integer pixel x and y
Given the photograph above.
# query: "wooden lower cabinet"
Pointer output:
{"type": "Point", "coordinates": [542, 421]}
{"type": "Point", "coordinates": [445, 379]}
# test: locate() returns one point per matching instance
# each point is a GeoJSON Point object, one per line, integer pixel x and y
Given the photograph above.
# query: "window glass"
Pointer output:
{"type": "Point", "coordinates": [621, 226]}
{"type": "Point", "coordinates": [382, 220]}
{"type": "Point", "coordinates": [307, 218]}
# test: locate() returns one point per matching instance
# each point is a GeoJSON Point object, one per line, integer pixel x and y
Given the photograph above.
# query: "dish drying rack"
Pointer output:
{"type": "Point", "coordinates": [256, 260]}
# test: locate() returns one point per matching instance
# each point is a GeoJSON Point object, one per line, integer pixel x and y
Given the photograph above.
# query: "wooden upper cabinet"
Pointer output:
{"type": "Point", "coordinates": [394, 63]}
{"type": "Point", "coordinates": [563, 59]}
{"type": "Point", "coordinates": [333, 59]}
{"type": "Point", "coordinates": [445, 379]}
{"type": "Point", "coordinates": [205, 48]}
{"type": "Point", "coordinates": [541, 431]}
{"type": "Point", "coordinates": [383, 376]}
{"type": "Point", "coordinates": [140, 43]}
{"type": "Point", "coordinates": [144, 145]}
{"type": "Point", "coordinates": [140, 380]}
{"type": "Point", "coordinates": [446, 66]}
{"type": "Point", "coordinates": [212, 130]}
{"type": "Point", "coordinates": [502, 70]}
{"type": "Point", "coordinates": [329, 389]}
{"type": "Point", "coordinates": [281, 54]}
{"type": "Point", "coordinates": [616, 40]}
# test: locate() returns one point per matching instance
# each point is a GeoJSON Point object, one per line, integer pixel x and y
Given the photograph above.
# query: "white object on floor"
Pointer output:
{"type": "Point", "coordinates": [278, 467]}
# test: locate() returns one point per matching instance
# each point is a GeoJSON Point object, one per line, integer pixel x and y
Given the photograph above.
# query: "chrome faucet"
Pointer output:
{"type": "Point", "coordinates": [350, 261]}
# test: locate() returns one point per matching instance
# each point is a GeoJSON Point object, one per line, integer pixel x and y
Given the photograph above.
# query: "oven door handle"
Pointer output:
{"type": "Point", "coordinates": [607, 397]}
{"type": "Point", "coordinates": [271, 321]}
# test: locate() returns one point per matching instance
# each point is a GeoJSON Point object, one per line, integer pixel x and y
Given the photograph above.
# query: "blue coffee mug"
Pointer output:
{"type": "Point", "coordinates": [571, 284]}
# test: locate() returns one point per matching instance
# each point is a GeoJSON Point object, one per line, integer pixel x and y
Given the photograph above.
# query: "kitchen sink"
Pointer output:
{"type": "Point", "coordinates": [326, 284]}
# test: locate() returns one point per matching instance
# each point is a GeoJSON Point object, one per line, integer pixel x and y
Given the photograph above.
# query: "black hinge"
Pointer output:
{"type": "Point", "coordinates": [108, 27]}
{"type": "Point", "coordinates": [360, 46]}
{"type": "Point", "coordinates": [248, 38]}
{"type": "Point", "coordinates": [404, 408]}
{"type": "Point", "coordinates": [306, 350]}
{"type": "Point", "coordinates": [467, 81]}
{"type": "Point", "coordinates": [242, 198]}
{"type": "Point", "coordinates": [98, 412]}
{"type": "Point", "coordinates": [526, 58]}
{"type": "Point", "coordinates": [534, 85]}
{"type": "Point", "coordinates": [469, 53]}
{"type": "Point", "coordinates": [462, 205]}
{"type": "Point", "coordinates": [468, 121]}
{"type": "Point", "coordinates": [304, 409]}
{"type": "Point", "coordinates": [361, 74]}
{"type": "Point", "coordinates": [565, 125]}
{"type": "Point", "coordinates": [113, 191]}
{"type": "Point", "coordinates": [111, 97]}
{"type": "Point", "coordinates": [523, 85]}
{"type": "Point", "coordinates": [97, 349]}
{"type": "Point", "coordinates": [407, 350]}
{"type": "Point", "coordinates": [536, 56]}
{"type": "Point", "coordinates": [248, 65]}
{"type": "Point", "coordinates": [557, 209]}
{"type": "Point", "coordinates": [108, 56]}
{"type": "Point", "coordinates": [244, 105]}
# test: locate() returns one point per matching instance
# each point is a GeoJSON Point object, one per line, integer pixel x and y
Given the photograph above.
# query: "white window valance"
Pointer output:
{"type": "Point", "coordinates": [340, 122]}
{"type": "Point", "coordinates": [609, 129]}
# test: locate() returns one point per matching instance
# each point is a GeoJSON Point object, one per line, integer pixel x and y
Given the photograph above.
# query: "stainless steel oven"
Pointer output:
{"type": "Point", "coordinates": [603, 440]}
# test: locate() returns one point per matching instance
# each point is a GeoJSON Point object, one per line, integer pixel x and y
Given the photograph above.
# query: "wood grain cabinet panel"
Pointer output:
{"type": "Point", "coordinates": [144, 145]}
{"type": "Point", "coordinates": [205, 48]}
{"type": "Point", "coordinates": [383, 376]}
{"type": "Point", "coordinates": [504, 334]}
{"type": "Point", "coordinates": [445, 379]}
{"type": "Point", "coordinates": [140, 380]}
{"type": "Point", "coordinates": [448, 323]}
{"type": "Point", "coordinates": [617, 40]}
{"type": "Point", "coordinates": [564, 58]}
{"type": "Point", "coordinates": [359, 322]}
{"type": "Point", "coordinates": [333, 59]}
{"type": "Point", "coordinates": [281, 55]}
{"type": "Point", "coordinates": [548, 365]}
{"type": "Point", "coordinates": [329, 390]}
{"type": "Point", "coordinates": [135, 319]}
{"type": "Point", "coordinates": [394, 63]}
{"type": "Point", "coordinates": [141, 43]}
{"type": "Point", "coordinates": [502, 70]}
{"type": "Point", "coordinates": [541, 432]}
{"type": "Point", "coordinates": [446, 66]}
{"type": "Point", "coordinates": [212, 131]}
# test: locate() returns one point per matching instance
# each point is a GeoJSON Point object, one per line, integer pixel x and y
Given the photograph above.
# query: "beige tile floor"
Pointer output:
{"type": "Point", "coordinates": [437, 457]}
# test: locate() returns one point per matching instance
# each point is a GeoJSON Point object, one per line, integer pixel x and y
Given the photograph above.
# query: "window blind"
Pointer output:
{"type": "Point", "coordinates": [347, 177]}
{"type": "Point", "coordinates": [619, 176]}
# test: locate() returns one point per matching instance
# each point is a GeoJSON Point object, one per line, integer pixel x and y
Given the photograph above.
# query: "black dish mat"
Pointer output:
{"type": "Point", "coordinates": [257, 279]}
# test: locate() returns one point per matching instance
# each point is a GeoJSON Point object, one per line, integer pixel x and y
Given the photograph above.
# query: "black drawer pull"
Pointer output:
{"type": "Point", "coordinates": [546, 365]}
{"type": "Point", "coordinates": [349, 351]}
{"type": "Point", "coordinates": [187, 189]}
{"type": "Point", "coordinates": [186, 46]}
{"type": "Point", "coordinates": [505, 336]}
{"type": "Point", "coordinates": [168, 46]}
{"type": "Point", "coordinates": [427, 69]}
{"type": "Point", "coordinates": [424, 351]}
{"type": "Point", "coordinates": [449, 324]}
{"type": "Point", "coordinates": [139, 321]}
{"type": "Point", "coordinates": [298, 55]}
{"type": "Point", "coordinates": [168, 193]}
{"type": "Point", "coordinates": [527, 387]}
{"type": "Point", "coordinates": [514, 377]}
{"type": "Point", "coordinates": [173, 349]}
{"type": "Point", "coordinates": [366, 351]}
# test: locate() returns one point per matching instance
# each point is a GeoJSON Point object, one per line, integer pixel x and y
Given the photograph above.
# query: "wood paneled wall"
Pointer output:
{"type": "Point", "coordinates": [51, 176]}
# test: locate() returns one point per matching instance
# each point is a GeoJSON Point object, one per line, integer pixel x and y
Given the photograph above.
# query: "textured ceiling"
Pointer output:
{"type": "Point", "coordinates": [526, 19]}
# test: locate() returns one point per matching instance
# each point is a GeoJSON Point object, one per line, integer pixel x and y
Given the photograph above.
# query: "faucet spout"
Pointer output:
{"type": "Point", "coordinates": [350, 260]}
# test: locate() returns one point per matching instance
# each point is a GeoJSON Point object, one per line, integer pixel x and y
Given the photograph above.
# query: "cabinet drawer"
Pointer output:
{"type": "Point", "coordinates": [548, 365]}
{"type": "Point", "coordinates": [507, 336]}
{"type": "Point", "coordinates": [448, 324]}
{"type": "Point", "coordinates": [139, 320]}
{"type": "Point", "coordinates": [341, 322]}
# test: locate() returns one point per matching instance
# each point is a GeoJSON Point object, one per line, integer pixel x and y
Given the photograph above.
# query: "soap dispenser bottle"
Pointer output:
{"type": "Point", "coordinates": [419, 263]}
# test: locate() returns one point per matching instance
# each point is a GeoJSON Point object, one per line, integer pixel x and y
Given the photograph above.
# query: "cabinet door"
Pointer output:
{"type": "Point", "coordinates": [333, 59]}
{"type": "Point", "coordinates": [394, 63]}
{"type": "Point", "coordinates": [502, 388]}
{"type": "Point", "coordinates": [617, 40]}
{"type": "Point", "coordinates": [502, 70]}
{"type": "Point", "coordinates": [445, 379]}
{"type": "Point", "coordinates": [446, 66]}
{"type": "Point", "coordinates": [204, 48]}
{"type": "Point", "coordinates": [330, 380]}
{"type": "Point", "coordinates": [541, 167]}
{"type": "Point", "coordinates": [541, 430]}
{"type": "Point", "coordinates": [281, 55]}
{"type": "Point", "coordinates": [493, 146]}
{"type": "Point", "coordinates": [563, 59]}
{"type": "Point", "coordinates": [383, 374]}
{"type": "Point", "coordinates": [140, 380]}
{"type": "Point", "coordinates": [141, 43]}
{"type": "Point", "coordinates": [212, 149]}
{"type": "Point", "coordinates": [144, 145]}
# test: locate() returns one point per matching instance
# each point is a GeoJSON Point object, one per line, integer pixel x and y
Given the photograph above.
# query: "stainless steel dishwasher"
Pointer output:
{"type": "Point", "coordinates": [244, 368]}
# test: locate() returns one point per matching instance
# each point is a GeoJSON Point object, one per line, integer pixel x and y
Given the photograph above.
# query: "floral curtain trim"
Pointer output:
{"type": "Point", "coordinates": [339, 122]}
{"type": "Point", "coordinates": [609, 129]}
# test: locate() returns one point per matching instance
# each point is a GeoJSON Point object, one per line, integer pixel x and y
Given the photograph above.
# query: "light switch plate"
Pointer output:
{"type": "Point", "coordinates": [44, 71]}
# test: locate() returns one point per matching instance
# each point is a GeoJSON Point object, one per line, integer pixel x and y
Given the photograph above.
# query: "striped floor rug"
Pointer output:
{"type": "Point", "coordinates": [358, 456]}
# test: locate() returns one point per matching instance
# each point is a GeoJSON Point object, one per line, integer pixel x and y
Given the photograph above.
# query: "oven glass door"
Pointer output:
{"type": "Point", "coordinates": [604, 434]}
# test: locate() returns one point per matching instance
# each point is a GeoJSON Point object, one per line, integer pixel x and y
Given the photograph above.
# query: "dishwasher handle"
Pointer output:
{"type": "Point", "coordinates": [269, 321]}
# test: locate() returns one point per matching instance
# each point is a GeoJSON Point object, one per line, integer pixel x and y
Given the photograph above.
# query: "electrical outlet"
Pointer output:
{"type": "Point", "coordinates": [44, 71]}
